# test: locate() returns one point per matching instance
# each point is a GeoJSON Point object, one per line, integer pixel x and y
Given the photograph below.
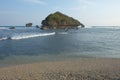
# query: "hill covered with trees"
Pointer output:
{"type": "Point", "coordinates": [59, 20]}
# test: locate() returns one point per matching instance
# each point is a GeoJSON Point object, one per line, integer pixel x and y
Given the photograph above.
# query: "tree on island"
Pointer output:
{"type": "Point", "coordinates": [59, 20]}
{"type": "Point", "coordinates": [28, 25]}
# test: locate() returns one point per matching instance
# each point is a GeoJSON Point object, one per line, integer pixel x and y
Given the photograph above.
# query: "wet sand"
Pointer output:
{"type": "Point", "coordinates": [72, 69]}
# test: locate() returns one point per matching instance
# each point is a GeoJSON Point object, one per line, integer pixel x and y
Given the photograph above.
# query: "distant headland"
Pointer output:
{"type": "Point", "coordinates": [59, 20]}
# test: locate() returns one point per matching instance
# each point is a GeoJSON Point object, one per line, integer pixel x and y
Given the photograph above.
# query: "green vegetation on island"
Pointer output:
{"type": "Point", "coordinates": [59, 20]}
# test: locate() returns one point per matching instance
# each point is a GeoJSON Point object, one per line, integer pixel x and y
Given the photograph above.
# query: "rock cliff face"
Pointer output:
{"type": "Point", "coordinates": [60, 21]}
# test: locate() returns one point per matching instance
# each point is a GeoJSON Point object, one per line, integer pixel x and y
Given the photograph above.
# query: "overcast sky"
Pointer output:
{"type": "Point", "coordinates": [89, 12]}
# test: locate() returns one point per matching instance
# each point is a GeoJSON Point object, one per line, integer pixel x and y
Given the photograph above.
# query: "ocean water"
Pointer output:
{"type": "Point", "coordinates": [27, 45]}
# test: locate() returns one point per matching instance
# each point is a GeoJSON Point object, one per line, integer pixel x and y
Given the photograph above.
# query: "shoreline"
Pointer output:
{"type": "Point", "coordinates": [74, 69]}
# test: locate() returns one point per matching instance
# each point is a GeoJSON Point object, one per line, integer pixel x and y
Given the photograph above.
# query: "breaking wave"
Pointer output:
{"type": "Point", "coordinates": [3, 28]}
{"type": "Point", "coordinates": [31, 36]}
{"type": "Point", "coordinates": [22, 34]}
{"type": "Point", "coordinates": [3, 38]}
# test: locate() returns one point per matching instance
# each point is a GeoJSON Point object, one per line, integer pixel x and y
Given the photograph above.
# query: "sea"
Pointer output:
{"type": "Point", "coordinates": [28, 45]}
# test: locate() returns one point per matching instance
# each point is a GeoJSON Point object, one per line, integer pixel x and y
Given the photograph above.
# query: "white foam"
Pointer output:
{"type": "Point", "coordinates": [3, 38]}
{"type": "Point", "coordinates": [31, 36]}
{"type": "Point", "coordinates": [3, 28]}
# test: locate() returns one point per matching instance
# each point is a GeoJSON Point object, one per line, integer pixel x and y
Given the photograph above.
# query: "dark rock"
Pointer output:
{"type": "Point", "coordinates": [37, 26]}
{"type": "Point", "coordinates": [29, 25]}
{"type": "Point", "coordinates": [12, 27]}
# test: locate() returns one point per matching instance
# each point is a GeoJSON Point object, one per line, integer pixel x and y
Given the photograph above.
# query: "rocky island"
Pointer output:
{"type": "Point", "coordinates": [59, 20]}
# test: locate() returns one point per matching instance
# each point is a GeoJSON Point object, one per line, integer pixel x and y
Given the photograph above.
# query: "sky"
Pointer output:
{"type": "Point", "coordinates": [88, 12]}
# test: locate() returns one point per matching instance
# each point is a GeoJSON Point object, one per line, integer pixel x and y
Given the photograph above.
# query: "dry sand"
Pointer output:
{"type": "Point", "coordinates": [74, 69]}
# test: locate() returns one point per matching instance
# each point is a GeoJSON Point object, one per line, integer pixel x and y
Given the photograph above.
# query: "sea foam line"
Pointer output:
{"type": "Point", "coordinates": [31, 36]}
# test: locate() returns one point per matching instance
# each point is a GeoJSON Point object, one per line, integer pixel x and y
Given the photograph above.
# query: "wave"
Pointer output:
{"type": "Point", "coordinates": [3, 38]}
{"type": "Point", "coordinates": [25, 36]}
{"type": "Point", "coordinates": [31, 36]}
{"type": "Point", "coordinates": [3, 28]}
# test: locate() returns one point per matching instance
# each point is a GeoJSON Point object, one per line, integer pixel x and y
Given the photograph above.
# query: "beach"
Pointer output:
{"type": "Point", "coordinates": [69, 69]}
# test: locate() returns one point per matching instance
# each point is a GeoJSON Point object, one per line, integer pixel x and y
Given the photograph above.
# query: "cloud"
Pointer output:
{"type": "Point", "coordinates": [37, 2]}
